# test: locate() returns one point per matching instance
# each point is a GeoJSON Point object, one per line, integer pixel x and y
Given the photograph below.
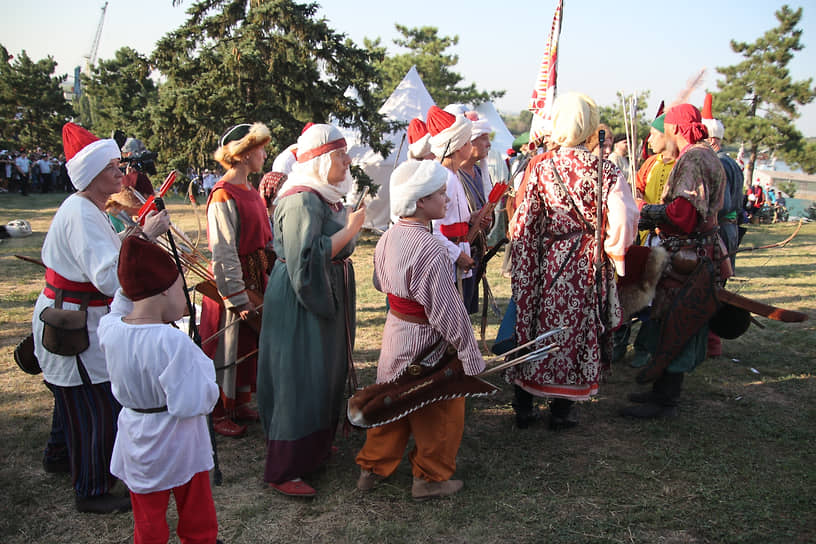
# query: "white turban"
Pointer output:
{"type": "Point", "coordinates": [479, 128]}
{"type": "Point", "coordinates": [715, 128]}
{"type": "Point", "coordinates": [413, 180]}
{"type": "Point", "coordinates": [575, 117]}
{"type": "Point", "coordinates": [451, 139]}
{"type": "Point", "coordinates": [90, 161]}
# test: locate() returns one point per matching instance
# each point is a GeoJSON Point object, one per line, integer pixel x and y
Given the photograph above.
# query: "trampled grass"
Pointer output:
{"type": "Point", "coordinates": [737, 465]}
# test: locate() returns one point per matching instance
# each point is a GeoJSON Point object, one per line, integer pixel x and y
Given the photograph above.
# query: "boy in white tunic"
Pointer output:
{"type": "Point", "coordinates": [166, 386]}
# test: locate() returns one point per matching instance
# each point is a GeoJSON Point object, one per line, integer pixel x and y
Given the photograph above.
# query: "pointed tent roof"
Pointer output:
{"type": "Point", "coordinates": [410, 99]}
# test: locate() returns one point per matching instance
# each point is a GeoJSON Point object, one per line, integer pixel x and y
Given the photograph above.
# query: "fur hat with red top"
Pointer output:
{"type": "Point", "coordinates": [449, 133]}
{"type": "Point", "coordinates": [145, 269]}
{"type": "Point", "coordinates": [86, 154]}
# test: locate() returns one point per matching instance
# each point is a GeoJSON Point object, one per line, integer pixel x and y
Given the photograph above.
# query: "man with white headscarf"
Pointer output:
{"type": "Point", "coordinates": [554, 246]}
{"type": "Point", "coordinates": [308, 329]}
{"type": "Point", "coordinates": [410, 266]}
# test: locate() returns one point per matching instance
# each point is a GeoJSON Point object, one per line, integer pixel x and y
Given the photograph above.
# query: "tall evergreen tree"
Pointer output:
{"type": "Point", "coordinates": [758, 99]}
{"type": "Point", "coordinates": [426, 49]}
{"type": "Point", "coordinates": [117, 95]}
{"type": "Point", "coordinates": [32, 106]}
{"type": "Point", "coordinates": [236, 61]}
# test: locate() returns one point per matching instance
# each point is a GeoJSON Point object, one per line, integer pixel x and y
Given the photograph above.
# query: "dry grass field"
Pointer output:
{"type": "Point", "coordinates": [737, 465]}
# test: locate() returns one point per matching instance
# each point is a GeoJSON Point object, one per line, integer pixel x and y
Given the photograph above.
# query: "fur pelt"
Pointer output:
{"type": "Point", "coordinates": [636, 296]}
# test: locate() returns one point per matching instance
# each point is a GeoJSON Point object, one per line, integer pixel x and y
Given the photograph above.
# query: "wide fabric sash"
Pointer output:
{"type": "Point", "coordinates": [73, 290]}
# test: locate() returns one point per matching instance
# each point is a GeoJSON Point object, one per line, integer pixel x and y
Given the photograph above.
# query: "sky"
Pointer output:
{"type": "Point", "coordinates": [605, 46]}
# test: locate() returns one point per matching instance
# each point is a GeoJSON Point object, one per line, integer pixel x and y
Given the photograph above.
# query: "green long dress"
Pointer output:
{"type": "Point", "coordinates": [304, 341]}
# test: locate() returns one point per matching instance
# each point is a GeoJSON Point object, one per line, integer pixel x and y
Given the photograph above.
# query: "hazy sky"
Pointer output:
{"type": "Point", "coordinates": [605, 46]}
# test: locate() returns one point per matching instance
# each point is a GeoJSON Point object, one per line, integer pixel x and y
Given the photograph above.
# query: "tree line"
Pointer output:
{"type": "Point", "coordinates": [275, 61]}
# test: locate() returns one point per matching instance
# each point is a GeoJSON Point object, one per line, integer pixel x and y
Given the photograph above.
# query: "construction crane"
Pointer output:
{"type": "Point", "coordinates": [90, 58]}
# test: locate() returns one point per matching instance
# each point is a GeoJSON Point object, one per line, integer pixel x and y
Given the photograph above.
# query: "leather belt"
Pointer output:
{"type": "Point", "coordinates": [150, 410]}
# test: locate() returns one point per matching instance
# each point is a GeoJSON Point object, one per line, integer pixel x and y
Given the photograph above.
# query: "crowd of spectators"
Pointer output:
{"type": "Point", "coordinates": [38, 171]}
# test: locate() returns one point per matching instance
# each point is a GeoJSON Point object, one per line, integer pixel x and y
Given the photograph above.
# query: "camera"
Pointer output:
{"type": "Point", "coordinates": [142, 161]}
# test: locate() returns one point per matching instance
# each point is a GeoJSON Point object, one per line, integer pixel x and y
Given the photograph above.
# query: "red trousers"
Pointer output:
{"type": "Point", "coordinates": [437, 430]}
{"type": "Point", "coordinates": [196, 511]}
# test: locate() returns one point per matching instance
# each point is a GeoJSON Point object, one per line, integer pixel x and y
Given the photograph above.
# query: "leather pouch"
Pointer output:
{"type": "Point", "coordinates": [65, 332]}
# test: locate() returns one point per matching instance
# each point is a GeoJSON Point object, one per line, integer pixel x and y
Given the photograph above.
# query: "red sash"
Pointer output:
{"type": "Point", "coordinates": [407, 306]}
{"type": "Point", "coordinates": [72, 288]}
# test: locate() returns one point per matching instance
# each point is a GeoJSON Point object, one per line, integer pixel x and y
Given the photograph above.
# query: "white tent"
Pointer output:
{"type": "Point", "coordinates": [502, 139]}
{"type": "Point", "coordinates": [410, 99]}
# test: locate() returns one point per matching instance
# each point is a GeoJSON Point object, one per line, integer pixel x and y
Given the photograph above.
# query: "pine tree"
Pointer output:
{"type": "Point", "coordinates": [238, 61]}
{"type": "Point", "coordinates": [426, 50]}
{"type": "Point", "coordinates": [32, 106]}
{"type": "Point", "coordinates": [758, 99]}
{"type": "Point", "coordinates": [117, 94]}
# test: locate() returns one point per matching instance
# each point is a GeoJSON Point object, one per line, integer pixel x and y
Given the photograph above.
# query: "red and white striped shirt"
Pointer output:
{"type": "Point", "coordinates": [411, 263]}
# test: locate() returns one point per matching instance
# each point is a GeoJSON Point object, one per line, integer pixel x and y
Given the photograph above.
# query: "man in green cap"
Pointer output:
{"type": "Point", "coordinates": [650, 180]}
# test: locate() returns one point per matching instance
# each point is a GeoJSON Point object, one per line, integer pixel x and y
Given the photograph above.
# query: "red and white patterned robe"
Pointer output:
{"type": "Point", "coordinates": [553, 277]}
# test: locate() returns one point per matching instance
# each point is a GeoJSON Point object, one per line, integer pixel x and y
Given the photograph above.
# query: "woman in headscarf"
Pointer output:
{"type": "Point", "coordinates": [238, 233]}
{"type": "Point", "coordinates": [553, 279]}
{"type": "Point", "coordinates": [306, 343]}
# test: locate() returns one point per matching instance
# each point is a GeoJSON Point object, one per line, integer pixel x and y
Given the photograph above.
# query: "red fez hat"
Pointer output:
{"type": "Point", "coordinates": [145, 269]}
{"type": "Point", "coordinates": [416, 130]}
{"type": "Point", "coordinates": [439, 120]}
{"type": "Point", "coordinates": [74, 138]}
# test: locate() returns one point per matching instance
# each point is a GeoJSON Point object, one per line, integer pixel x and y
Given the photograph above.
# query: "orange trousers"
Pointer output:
{"type": "Point", "coordinates": [437, 430]}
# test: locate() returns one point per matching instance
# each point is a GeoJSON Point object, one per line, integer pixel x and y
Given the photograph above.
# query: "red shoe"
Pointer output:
{"type": "Point", "coordinates": [245, 413]}
{"type": "Point", "coordinates": [227, 427]}
{"type": "Point", "coordinates": [295, 488]}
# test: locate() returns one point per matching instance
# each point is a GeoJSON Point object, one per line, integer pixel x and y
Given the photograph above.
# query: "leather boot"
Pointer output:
{"type": "Point", "coordinates": [103, 504]}
{"type": "Point", "coordinates": [423, 489]}
{"type": "Point", "coordinates": [368, 480]}
{"type": "Point", "coordinates": [226, 427]}
{"type": "Point", "coordinates": [243, 412]}
{"type": "Point", "coordinates": [526, 411]}
{"type": "Point", "coordinates": [660, 402]}
{"type": "Point", "coordinates": [562, 415]}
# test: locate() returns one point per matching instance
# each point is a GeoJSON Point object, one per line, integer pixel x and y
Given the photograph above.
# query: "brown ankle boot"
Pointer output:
{"type": "Point", "coordinates": [423, 489]}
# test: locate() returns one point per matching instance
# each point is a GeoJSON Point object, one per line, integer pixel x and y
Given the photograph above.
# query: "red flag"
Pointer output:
{"type": "Point", "coordinates": [545, 87]}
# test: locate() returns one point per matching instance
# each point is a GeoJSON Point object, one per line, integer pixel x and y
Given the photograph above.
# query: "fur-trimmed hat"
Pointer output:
{"type": "Point", "coordinates": [238, 140]}
{"type": "Point", "coordinates": [124, 199]}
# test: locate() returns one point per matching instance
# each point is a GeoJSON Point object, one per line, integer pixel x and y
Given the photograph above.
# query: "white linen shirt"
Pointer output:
{"type": "Point", "coordinates": [81, 245]}
{"type": "Point", "coordinates": [150, 366]}
{"type": "Point", "coordinates": [456, 212]}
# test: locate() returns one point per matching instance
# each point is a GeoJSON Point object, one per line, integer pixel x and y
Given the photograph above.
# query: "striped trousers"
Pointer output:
{"type": "Point", "coordinates": [88, 416]}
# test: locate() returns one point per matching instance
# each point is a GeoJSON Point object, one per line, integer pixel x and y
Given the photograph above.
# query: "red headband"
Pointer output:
{"type": "Point", "coordinates": [317, 151]}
